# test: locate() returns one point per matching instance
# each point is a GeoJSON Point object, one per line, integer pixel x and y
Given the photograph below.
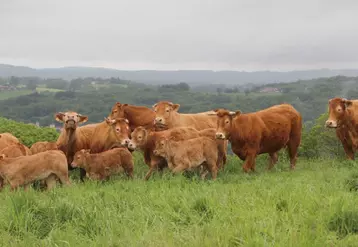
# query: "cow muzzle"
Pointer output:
{"type": "Point", "coordinates": [131, 146]}
{"type": "Point", "coordinates": [331, 124]}
{"type": "Point", "coordinates": [159, 120]}
{"type": "Point", "coordinates": [125, 142]}
{"type": "Point", "coordinates": [220, 136]}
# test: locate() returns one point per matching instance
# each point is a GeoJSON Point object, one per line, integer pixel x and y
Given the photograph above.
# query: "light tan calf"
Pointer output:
{"type": "Point", "coordinates": [43, 146]}
{"type": "Point", "coordinates": [15, 150]}
{"type": "Point", "coordinates": [24, 170]}
{"type": "Point", "coordinates": [188, 154]}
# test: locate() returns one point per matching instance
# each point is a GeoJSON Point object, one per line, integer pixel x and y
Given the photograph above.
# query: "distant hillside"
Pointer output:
{"type": "Point", "coordinates": [192, 77]}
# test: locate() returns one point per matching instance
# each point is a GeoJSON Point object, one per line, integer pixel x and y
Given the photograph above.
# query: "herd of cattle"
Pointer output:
{"type": "Point", "coordinates": [167, 138]}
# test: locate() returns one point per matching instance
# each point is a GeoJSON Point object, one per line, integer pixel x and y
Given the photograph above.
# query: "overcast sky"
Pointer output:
{"type": "Point", "coordinates": [180, 34]}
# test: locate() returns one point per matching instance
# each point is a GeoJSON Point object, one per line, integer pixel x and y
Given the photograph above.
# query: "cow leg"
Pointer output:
{"type": "Point", "coordinates": [26, 187]}
{"type": "Point", "coordinates": [82, 174]}
{"type": "Point", "coordinates": [348, 150]}
{"type": "Point", "coordinates": [180, 168]}
{"type": "Point", "coordinates": [153, 166]}
{"type": "Point", "coordinates": [211, 164]}
{"type": "Point", "coordinates": [250, 162]}
{"type": "Point", "coordinates": [273, 160]}
{"type": "Point", "coordinates": [129, 170]}
{"type": "Point", "coordinates": [50, 181]}
{"type": "Point", "coordinates": [292, 153]}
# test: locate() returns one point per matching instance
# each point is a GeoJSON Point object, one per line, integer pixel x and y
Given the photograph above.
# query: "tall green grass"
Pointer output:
{"type": "Point", "coordinates": [315, 205]}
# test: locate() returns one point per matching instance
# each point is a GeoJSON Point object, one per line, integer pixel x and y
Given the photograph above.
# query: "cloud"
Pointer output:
{"type": "Point", "coordinates": [180, 34]}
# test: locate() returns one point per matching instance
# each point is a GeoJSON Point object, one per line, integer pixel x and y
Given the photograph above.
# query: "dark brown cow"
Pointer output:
{"type": "Point", "coordinates": [136, 115]}
{"type": "Point", "coordinates": [265, 131]}
{"type": "Point", "coordinates": [343, 116]}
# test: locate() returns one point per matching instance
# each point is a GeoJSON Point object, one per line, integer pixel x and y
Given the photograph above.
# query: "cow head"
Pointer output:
{"type": "Point", "coordinates": [337, 110]}
{"type": "Point", "coordinates": [160, 147]}
{"type": "Point", "coordinates": [224, 122]}
{"type": "Point", "coordinates": [139, 138]}
{"type": "Point", "coordinates": [164, 113]}
{"type": "Point", "coordinates": [70, 119]}
{"type": "Point", "coordinates": [117, 111]}
{"type": "Point", "coordinates": [120, 126]}
{"type": "Point", "coordinates": [79, 159]}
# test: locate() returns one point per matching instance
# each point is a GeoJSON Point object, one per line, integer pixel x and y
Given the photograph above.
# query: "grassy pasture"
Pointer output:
{"type": "Point", "coordinates": [315, 205]}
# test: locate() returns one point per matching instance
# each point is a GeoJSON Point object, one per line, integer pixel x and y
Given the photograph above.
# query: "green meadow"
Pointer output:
{"type": "Point", "coordinates": [315, 205]}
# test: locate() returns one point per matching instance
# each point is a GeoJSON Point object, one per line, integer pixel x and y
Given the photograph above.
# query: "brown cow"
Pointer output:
{"type": "Point", "coordinates": [167, 117]}
{"type": "Point", "coordinates": [265, 131]}
{"type": "Point", "coordinates": [72, 137]}
{"type": "Point", "coordinates": [109, 133]}
{"type": "Point", "coordinates": [136, 115]}
{"type": "Point", "coordinates": [101, 166]}
{"type": "Point", "coordinates": [43, 146]}
{"type": "Point", "coordinates": [24, 170]}
{"type": "Point", "coordinates": [188, 154]}
{"type": "Point", "coordinates": [343, 116]}
{"type": "Point", "coordinates": [7, 139]}
{"type": "Point", "coordinates": [15, 150]}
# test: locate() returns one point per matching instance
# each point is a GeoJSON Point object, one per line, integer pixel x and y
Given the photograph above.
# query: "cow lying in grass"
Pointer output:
{"type": "Point", "coordinates": [24, 170]}
{"type": "Point", "coordinates": [101, 166]}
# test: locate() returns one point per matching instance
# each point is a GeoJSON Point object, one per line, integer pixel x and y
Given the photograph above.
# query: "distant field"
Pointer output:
{"type": "Point", "coordinates": [12, 94]}
{"type": "Point", "coordinates": [315, 205]}
{"type": "Point", "coordinates": [42, 89]}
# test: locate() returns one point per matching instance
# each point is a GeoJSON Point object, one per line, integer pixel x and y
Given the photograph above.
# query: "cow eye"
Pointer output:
{"type": "Point", "coordinates": [139, 137]}
{"type": "Point", "coordinates": [115, 111]}
{"type": "Point", "coordinates": [167, 110]}
{"type": "Point", "coordinates": [339, 110]}
{"type": "Point", "coordinates": [227, 121]}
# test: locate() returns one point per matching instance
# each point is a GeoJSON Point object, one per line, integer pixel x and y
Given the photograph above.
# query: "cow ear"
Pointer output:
{"type": "Point", "coordinates": [59, 116]}
{"type": "Point", "coordinates": [108, 120]}
{"type": "Point", "coordinates": [176, 107]}
{"type": "Point", "coordinates": [348, 103]}
{"type": "Point", "coordinates": [83, 119]}
{"type": "Point", "coordinates": [125, 105]}
{"type": "Point", "coordinates": [235, 114]}
{"type": "Point", "coordinates": [118, 104]}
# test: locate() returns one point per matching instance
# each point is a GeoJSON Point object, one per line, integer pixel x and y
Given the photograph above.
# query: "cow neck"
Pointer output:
{"type": "Point", "coordinates": [111, 135]}
{"type": "Point", "coordinates": [348, 124]}
{"type": "Point", "coordinates": [71, 141]}
{"type": "Point", "coordinates": [235, 130]}
{"type": "Point", "coordinates": [150, 143]}
{"type": "Point", "coordinates": [175, 120]}
{"type": "Point", "coordinates": [172, 146]}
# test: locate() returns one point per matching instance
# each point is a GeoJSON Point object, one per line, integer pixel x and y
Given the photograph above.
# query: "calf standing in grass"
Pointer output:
{"type": "Point", "coordinates": [24, 170]}
{"type": "Point", "coordinates": [101, 166]}
{"type": "Point", "coordinates": [188, 154]}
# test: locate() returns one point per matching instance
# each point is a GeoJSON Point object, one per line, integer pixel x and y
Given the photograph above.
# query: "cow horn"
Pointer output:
{"type": "Point", "coordinates": [231, 113]}
{"type": "Point", "coordinates": [126, 121]}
